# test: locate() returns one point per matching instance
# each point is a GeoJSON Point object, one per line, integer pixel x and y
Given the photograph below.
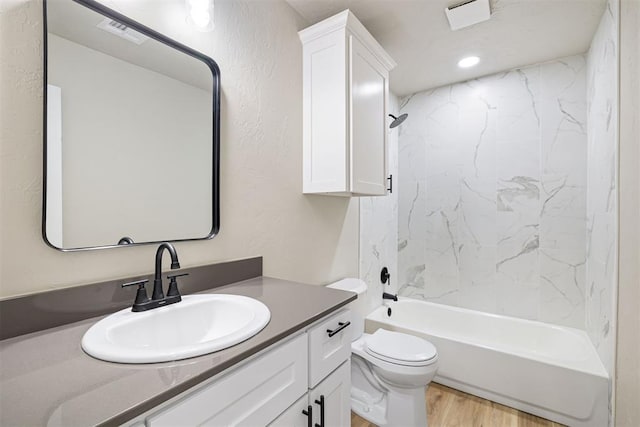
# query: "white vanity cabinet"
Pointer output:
{"type": "Point", "coordinates": [273, 388]}
{"type": "Point", "coordinates": [327, 350]}
{"type": "Point", "coordinates": [332, 398]}
{"type": "Point", "coordinates": [345, 99]}
{"type": "Point", "coordinates": [329, 397]}
{"type": "Point", "coordinates": [296, 415]}
{"type": "Point", "coordinates": [259, 391]}
{"type": "Point", "coordinates": [329, 403]}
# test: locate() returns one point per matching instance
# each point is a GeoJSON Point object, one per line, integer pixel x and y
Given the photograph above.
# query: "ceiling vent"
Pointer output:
{"type": "Point", "coordinates": [121, 30]}
{"type": "Point", "coordinates": [468, 13]}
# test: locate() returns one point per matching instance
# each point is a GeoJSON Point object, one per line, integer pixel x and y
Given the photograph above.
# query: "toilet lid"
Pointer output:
{"type": "Point", "coordinates": [396, 346]}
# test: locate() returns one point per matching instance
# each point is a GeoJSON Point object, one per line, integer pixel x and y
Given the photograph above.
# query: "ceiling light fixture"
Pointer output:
{"type": "Point", "coordinates": [200, 14]}
{"type": "Point", "coordinates": [469, 61]}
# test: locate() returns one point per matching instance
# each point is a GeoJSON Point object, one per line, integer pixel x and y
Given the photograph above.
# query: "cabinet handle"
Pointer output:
{"type": "Point", "coordinates": [390, 179]}
{"type": "Point", "coordinates": [341, 326]}
{"type": "Point", "coordinates": [309, 414]}
{"type": "Point", "coordinates": [321, 403]}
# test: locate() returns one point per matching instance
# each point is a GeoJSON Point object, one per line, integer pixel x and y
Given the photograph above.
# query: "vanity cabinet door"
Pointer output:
{"type": "Point", "coordinates": [252, 395]}
{"type": "Point", "coordinates": [294, 417]}
{"type": "Point", "coordinates": [330, 403]}
{"type": "Point", "coordinates": [328, 350]}
{"type": "Point", "coordinates": [331, 399]}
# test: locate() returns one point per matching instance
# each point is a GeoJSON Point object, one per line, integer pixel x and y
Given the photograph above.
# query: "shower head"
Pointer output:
{"type": "Point", "coordinates": [397, 121]}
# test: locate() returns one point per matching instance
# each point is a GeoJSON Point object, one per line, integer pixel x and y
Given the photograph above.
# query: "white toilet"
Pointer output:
{"type": "Point", "coordinates": [390, 371]}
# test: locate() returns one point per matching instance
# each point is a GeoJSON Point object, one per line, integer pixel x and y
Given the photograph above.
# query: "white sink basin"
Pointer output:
{"type": "Point", "coordinates": [197, 325]}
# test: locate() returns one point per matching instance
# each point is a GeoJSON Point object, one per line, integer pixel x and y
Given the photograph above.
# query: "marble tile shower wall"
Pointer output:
{"type": "Point", "coordinates": [379, 228]}
{"type": "Point", "coordinates": [602, 114]}
{"type": "Point", "coordinates": [492, 193]}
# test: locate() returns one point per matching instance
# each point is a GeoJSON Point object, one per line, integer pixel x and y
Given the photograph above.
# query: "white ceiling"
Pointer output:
{"type": "Point", "coordinates": [416, 34]}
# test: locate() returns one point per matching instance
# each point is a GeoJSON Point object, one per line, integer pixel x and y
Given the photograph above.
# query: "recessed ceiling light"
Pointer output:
{"type": "Point", "coordinates": [469, 61]}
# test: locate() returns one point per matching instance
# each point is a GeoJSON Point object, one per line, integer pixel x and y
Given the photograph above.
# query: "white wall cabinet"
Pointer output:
{"type": "Point", "coordinates": [345, 99]}
{"type": "Point", "coordinates": [273, 387]}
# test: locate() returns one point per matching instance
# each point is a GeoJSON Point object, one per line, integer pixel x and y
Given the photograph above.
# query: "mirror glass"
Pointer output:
{"type": "Point", "coordinates": [132, 125]}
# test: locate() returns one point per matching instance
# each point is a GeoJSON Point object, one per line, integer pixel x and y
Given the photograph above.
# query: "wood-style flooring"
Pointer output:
{"type": "Point", "coordinates": [447, 407]}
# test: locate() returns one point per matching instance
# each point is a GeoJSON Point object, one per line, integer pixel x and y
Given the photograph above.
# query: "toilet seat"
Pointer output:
{"type": "Point", "coordinates": [395, 374]}
{"type": "Point", "coordinates": [400, 349]}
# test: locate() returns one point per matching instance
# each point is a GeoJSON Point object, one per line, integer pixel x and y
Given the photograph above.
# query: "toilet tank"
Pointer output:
{"type": "Point", "coordinates": [358, 307]}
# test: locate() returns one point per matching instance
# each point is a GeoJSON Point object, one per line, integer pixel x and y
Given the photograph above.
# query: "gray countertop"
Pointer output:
{"type": "Point", "coordinates": [47, 380]}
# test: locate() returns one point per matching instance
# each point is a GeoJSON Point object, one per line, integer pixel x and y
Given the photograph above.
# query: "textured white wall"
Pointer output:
{"type": "Point", "coordinates": [307, 238]}
{"type": "Point", "coordinates": [492, 187]}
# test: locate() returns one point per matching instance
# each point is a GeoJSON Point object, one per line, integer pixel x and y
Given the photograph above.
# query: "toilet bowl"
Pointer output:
{"type": "Point", "coordinates": [390, 371]}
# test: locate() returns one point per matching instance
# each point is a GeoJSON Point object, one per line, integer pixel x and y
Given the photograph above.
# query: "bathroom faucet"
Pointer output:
{"type": "Point", "coordinates": [389, 296]}
{"type": "Point", "coordinates": [158, 299]}
{"type": "Point", "coordinates": [157, 281]}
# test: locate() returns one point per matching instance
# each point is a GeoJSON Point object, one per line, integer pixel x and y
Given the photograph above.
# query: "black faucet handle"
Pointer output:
{"type": "Point", "coordinates": [173, 276]}
{"type": "Point", "coordinates": [141, 294]}
{"type": "Point", "coordinates": [173, 285]}
{"type": "Point", "coordinates": [141, 283]}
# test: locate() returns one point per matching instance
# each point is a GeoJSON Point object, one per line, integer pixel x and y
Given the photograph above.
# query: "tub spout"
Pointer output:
{"type": "Point", "coordinates": [389, 296]}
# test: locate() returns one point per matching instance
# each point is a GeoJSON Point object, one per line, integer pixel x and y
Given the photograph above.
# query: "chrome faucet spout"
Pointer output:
{"type": "Point", "coordinates": [157, 281]}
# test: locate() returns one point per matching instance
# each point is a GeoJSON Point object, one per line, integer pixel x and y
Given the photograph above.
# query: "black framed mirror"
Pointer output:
{"type": "Point", "coordinates": [131, 132]}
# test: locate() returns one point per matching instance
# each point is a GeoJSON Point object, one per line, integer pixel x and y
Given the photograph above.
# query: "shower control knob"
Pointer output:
{"type": "Point", "coordinates": [385, 276]}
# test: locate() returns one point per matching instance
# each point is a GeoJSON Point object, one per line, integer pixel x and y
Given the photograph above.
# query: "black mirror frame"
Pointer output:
{"type": "Point", "coordinates": [215, 71]}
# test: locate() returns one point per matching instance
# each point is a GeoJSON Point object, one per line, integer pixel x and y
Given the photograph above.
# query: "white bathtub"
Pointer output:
{"type": "Point", "coordinates": [550, 371]}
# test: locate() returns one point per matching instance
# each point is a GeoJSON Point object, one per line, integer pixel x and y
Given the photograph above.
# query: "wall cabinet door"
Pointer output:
{"type": "Point", "coordinates": [369, 89]}
{"type": "Point", "coordinates": [325, 153]}
{"type": "Point", "coordinates": [331, 399]}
